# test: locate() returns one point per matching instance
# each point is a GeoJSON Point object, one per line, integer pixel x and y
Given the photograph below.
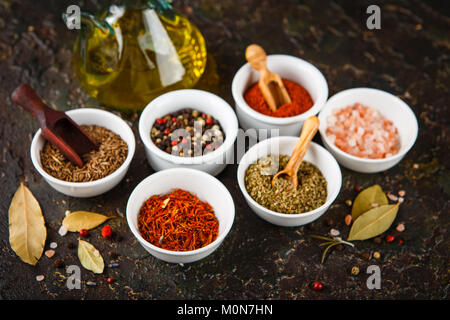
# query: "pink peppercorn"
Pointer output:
{"type": "Point", "coordinates": [317, 286]}
{"type": "Point", "coordinates": [106, 232]}
{"type": "Point", "coordinates": [390, 238]}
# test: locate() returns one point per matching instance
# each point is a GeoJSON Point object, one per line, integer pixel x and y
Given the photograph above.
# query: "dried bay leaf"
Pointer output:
{"type": "Point", "coordinates": [78, 220]}
{"type": "Point", "coordinates": [373, 222]}
{"type": "Point", "coordinates": [90, 257]}
{"type": "Point", "coordinates": [366, 199]}
{"type": "Point", "coordinates": [27, 231]}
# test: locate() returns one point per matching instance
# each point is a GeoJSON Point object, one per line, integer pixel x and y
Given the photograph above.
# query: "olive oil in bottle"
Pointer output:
{"type": "Point", "coordinates": [138, 56]}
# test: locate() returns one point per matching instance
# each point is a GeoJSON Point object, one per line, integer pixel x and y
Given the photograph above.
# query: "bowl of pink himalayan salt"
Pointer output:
{"type": "Point", "coordinates": [367, 130]}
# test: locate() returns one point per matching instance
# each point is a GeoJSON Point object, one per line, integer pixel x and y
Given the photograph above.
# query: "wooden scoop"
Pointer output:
{"type": "Point", "coordinates": [270, 84]}
{"type": "Point", "coordinates": [56, 126]}
{"type": "Point", "coordinates": [309, 130]}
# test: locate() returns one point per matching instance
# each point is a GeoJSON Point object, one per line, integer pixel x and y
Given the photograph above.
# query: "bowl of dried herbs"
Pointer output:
{"type": "Point", "coordinates": [102, 169]}
{"type": "Point", "coordinates": [319, 182]}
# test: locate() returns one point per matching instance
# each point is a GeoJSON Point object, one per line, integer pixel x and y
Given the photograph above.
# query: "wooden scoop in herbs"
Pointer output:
{"type": "Point", "coordinates": [270, 84]}
{"type": "Point", "coordinates": [309, 130]}
{"type": "Point", "coordinates": [57, 127]}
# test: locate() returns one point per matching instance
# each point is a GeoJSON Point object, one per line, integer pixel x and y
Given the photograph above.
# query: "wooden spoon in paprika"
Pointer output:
{"type": "Point", "coordinates": [270, 84]}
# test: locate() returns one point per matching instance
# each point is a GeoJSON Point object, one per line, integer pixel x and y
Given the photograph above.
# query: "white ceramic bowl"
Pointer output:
{"type": "Point", "coordinates": [203, 101]}
{"type": "Point", "coordinates": [204, 186]}
{"type": "Point", "coordinates": [316, 155]}
{"type": "Point", "coordinates": [390, 107]}
{"type": "Point", "coordinates": [87, 116]}
{"type": "Point", "coordinates": [288, 67]}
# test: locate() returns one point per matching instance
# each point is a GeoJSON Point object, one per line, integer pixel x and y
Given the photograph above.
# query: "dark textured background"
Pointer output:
{"type": "Point", "coordinates": [409, 57]}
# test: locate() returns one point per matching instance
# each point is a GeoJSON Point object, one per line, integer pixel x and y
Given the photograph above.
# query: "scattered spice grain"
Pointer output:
{"type": "Point", "coordinates": [58, 263]}
{"type": "Point", "coordinates": [334, 232]}
{"type": "Point", "coordinates": [318, 286]}
{"type": "Point", "coordinates": [348, 219]}
{"type": "Point", "coordinates": [355, 271]}
{"type": "Point", "coordinates": [400, 227]}
{"type": "Point", "coordinates": [40, 277]}
{"type": "Point", "coordinates": [50, 253]}
{"type": "Point", "coordinates": [62, 231]}
{"type": "Point", "coordinates": [107, 232]}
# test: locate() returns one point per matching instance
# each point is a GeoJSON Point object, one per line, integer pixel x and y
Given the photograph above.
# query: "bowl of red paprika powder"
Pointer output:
{"type": "Point", "coordinates": [305, 84]}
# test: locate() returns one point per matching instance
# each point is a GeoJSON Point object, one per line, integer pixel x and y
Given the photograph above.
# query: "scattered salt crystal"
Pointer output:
{"type": "Point", "coordinates": [53, 245]}
{"type": "Point", "coordinates": [50, 253]}
{"type": "Point", "coordinates": [67, 213]}
{"type": "Point", "coordinates": [374, 205]}
{"type": "Point", "coordinates": [62, 231]}
{"type": "Point", "coordinates": [401, 200]}
{"type": "Point", "coordinates": [40, 277]}
{"type": "Point", "coordinates": [400, 227]}
{"type": "Point", "coordinates": [91, 284]}
{"type": "Point", "coordinates": [334, 232]}
{"type": "Point", "coordinates": [96, 253]}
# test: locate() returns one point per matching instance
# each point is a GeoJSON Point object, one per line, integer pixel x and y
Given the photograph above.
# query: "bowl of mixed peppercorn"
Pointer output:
{"type": "Point", "coordinates": [189, 128]}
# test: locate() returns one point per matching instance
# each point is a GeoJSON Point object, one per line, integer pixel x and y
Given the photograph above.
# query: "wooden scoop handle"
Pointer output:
{"type": "Point", "coordinates": [257, 57]}
{"type": "Point", "coordinates": [309, 130]}
{"type": "Point", "coordinates": [27, 98]}
{"type": "Point", "coordinates": [270, 84]}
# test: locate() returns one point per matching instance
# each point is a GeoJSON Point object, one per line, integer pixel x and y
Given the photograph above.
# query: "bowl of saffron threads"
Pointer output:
{"type": "Point", "coordinates": [180, 215]}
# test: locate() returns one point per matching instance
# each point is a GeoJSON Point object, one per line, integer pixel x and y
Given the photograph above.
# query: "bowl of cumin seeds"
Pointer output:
{"type": "Point", "coordinates": [103, 169]}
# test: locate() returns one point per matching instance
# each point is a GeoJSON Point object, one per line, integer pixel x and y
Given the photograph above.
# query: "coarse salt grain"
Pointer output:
{"type": "Point", "coordinates": [53, 245]}
{"type": "Point", "coordinates": [50, 253]}
{"type": "Point", "coordinates": [334, 232]}
{"type": "Point", "coordinates": [363, 132]}
{"type": "Point", "coordinates": [40, 277]}
{"type": "Point", "coordinates": [62, 231]}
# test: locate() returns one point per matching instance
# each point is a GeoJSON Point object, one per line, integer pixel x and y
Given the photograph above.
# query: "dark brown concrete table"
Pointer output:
{"type": "Point", "coordinates": [409, 57]}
